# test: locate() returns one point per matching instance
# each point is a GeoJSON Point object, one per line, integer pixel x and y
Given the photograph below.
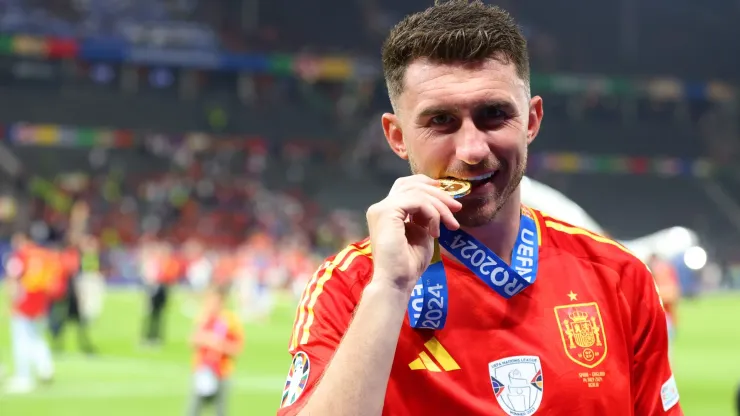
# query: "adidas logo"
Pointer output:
{"type": "Point", "coordinates": [439, 354]}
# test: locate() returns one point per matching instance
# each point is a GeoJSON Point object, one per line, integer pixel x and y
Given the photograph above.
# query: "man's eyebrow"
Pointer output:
{"type": "Point", "coordinates": [453, 109]}
{"type": "Point", "coordinates": [438, 109]}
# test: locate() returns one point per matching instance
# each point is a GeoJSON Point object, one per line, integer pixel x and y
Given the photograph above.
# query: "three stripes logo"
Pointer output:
{"type": "Point", "coordinates": [438, 359]}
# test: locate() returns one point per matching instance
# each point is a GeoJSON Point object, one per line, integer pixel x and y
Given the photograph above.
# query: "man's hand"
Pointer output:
{"type": "Point", "coordinates": [402, 231]}
{"type": "Point", "coordinates": [403, 227]}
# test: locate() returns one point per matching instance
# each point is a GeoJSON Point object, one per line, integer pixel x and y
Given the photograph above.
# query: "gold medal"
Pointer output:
{"type": "Point", "coordinates": [456, 188]}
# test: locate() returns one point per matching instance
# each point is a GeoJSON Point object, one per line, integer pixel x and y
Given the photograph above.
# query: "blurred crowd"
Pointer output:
{"type": "Point", "coordinates": [228, 200]}
{"type": "Point", "coordinates": [199, 203]}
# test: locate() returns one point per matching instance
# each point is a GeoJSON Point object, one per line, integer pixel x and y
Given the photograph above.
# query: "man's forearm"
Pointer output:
{"type": "Point", "coordinates": [356, 380]}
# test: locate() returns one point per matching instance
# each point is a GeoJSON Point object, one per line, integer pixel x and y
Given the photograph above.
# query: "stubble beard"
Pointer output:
{"type": "Point", "coordinates": [481, 210]}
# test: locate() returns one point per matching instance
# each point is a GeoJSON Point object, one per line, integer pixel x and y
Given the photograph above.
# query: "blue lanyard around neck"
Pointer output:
{"type": "Point", "coordinates": [429, 300]}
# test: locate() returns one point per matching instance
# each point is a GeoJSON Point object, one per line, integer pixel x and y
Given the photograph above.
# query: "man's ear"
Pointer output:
{"type": "Point", "coordinates": [394, 135]}
{"type": "Point", "coordinates": [535, 118]}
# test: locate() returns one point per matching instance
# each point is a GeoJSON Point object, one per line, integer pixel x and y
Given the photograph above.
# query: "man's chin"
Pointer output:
{"type": "Point", "coordinates": [478, 212]}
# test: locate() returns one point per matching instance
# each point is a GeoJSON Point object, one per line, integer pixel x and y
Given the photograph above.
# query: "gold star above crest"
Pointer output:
{"type": "Point", "coordinates": [573, 296]}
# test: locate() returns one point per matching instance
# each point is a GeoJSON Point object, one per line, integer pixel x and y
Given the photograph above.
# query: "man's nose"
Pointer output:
{"type": "Point", "coordinates": [472, 144]}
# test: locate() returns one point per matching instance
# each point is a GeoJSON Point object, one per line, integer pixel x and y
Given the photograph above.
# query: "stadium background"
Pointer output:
{"type": "Point", "coordinates": [252, 127]}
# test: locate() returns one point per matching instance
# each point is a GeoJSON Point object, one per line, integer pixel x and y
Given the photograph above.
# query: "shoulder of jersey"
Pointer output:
{"type": "Point", "coordinates": [584, 243]}
{"type": "Point", "coordinates": [355, 261]}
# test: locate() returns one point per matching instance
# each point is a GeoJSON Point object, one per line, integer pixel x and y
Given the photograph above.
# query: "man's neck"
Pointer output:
{"type": "Point", "coordinates": [500, 234]}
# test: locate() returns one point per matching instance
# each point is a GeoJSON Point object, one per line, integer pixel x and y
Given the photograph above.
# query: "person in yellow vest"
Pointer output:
{"type": "Point", "coordinates": [218, 340]}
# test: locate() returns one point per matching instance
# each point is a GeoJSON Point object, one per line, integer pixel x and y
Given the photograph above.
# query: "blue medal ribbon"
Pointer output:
{"type": "Point", "coordinates": [429, 300]}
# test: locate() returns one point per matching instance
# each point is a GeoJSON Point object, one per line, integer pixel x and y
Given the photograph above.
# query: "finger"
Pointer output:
{"type": "Point", "coordinates": [429, 217]}
{"type": "Point", "coordinates": [420, 178]}
{"type": "Point", "coordinates": [426, 222]}
{"type": "Point", "coordinates": [431, 189]}
{"type": "Point", "coordinates": [445, 213]}
{"type": "Point", "coordinates": [443, 196]}
{"type": "Point", "coordinates": [407, 183]}
{"type": "Point", "coordinates": [444, 203]}
{"type": "Point", "coordinates": [422, 210]}
{"type": "Point", "coordinates": [432, 223]}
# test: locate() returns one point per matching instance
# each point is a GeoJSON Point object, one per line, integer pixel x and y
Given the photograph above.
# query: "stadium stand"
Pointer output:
{"type": "Point", "coordinates": [242, 125]}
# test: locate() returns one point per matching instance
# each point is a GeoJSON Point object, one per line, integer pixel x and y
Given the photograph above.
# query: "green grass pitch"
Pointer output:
{"type": "Point", "coordinates": [126, 379]}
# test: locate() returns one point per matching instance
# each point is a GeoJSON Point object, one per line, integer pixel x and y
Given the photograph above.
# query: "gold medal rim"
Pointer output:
{"type": "Point", "coordinates": [463, 191]}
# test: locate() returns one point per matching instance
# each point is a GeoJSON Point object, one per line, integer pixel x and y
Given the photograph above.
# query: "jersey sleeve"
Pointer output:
{"type": "Point", "coordinates": [322, 318]}
{"type": "Point", "coordinates": [654, 389]}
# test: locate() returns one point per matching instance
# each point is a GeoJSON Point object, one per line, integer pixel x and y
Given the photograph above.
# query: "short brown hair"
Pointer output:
{"type": "Point", "coordinates": [450, 32]}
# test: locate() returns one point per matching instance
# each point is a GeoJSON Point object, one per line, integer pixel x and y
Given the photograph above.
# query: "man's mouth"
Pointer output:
{"type": "Point", "coordinates": [480, 179]}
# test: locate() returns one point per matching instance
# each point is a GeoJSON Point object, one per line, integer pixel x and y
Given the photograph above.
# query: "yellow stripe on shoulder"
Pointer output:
{"type": "Point", "coordinates": [308, 291]}
{"type": "Point", "coordinates": [568, 229]}
{"type": "Point", "coordinates": [300, 312]}
{"type": "Point", "coordinates": [348, 256]}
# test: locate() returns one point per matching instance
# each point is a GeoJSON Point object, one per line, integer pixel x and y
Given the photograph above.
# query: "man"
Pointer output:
{"type": "Point", "coordinates": [30, 272]}
{"type": "Point", "coordinates": [218, 340]}
{"type": "Point", "coordinates": [59, 294]}
{"type": "Point", "coordinates": [163, 268]}
{"type": "Point", "coordinates": [573, 326]}
{"type": "Point", "coordinates": [81, 261]}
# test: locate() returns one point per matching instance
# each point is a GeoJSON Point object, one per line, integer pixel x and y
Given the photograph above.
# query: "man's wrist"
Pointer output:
{"type": "Point", "coordinates": [391, 293]}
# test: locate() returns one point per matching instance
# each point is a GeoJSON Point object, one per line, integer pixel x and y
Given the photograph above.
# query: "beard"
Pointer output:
{"type": "Point", "coordinates": [481, 209]}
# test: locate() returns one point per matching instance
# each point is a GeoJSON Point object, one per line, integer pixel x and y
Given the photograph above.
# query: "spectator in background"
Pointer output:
{"type": "Point", "coordinates": [61, 295]}
{"type": "Point", "coordinates": [666, 279]}
{"type": "Point", "coordinates": [218, 339]}
{"type": "Point", "coordinates": [81, 266]}
{"type": "Point", "coordinates": [90, 282]}
{"type": "Point", "coordinates": [164, 268]}
{"type": "Point", "coordinates": [30, 271]}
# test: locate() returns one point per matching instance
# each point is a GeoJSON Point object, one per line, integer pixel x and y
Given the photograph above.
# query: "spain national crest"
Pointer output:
{"type": "Point", "coordinates": [517, 384]}
{"type": "Point", "coordinates": [582, 332]}
{"type": "Point", "coordinates": [297, 379]}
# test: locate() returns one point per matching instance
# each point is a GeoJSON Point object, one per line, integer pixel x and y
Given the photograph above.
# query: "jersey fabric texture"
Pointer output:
{"type": "Point", "coordinates": [588, 338]}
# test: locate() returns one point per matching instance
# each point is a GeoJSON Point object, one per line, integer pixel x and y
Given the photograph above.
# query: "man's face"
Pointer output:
{"type": "Point", "coordinates": [470, 121]}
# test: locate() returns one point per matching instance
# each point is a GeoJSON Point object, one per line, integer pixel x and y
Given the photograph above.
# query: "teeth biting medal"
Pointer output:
{"type": "Point", "coordinates": [456, 188]}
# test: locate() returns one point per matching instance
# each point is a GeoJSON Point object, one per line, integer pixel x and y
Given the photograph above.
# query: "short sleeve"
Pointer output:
{"type": "Point", "coordinates": [654, 390]}
{"type": "Point", "coordinates": [322, 318]}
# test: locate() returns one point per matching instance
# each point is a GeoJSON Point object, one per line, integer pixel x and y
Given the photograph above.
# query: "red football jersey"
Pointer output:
{"type": "Point", "coordinates": [37, 269]}
{"type": "Point", "coordinates": [589, 337]}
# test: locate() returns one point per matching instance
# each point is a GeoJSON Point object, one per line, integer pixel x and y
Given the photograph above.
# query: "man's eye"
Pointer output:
{"type": "Point", "coordinates": [489, 113]}
{"type": "Point", "coordinates": [442, 119]}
